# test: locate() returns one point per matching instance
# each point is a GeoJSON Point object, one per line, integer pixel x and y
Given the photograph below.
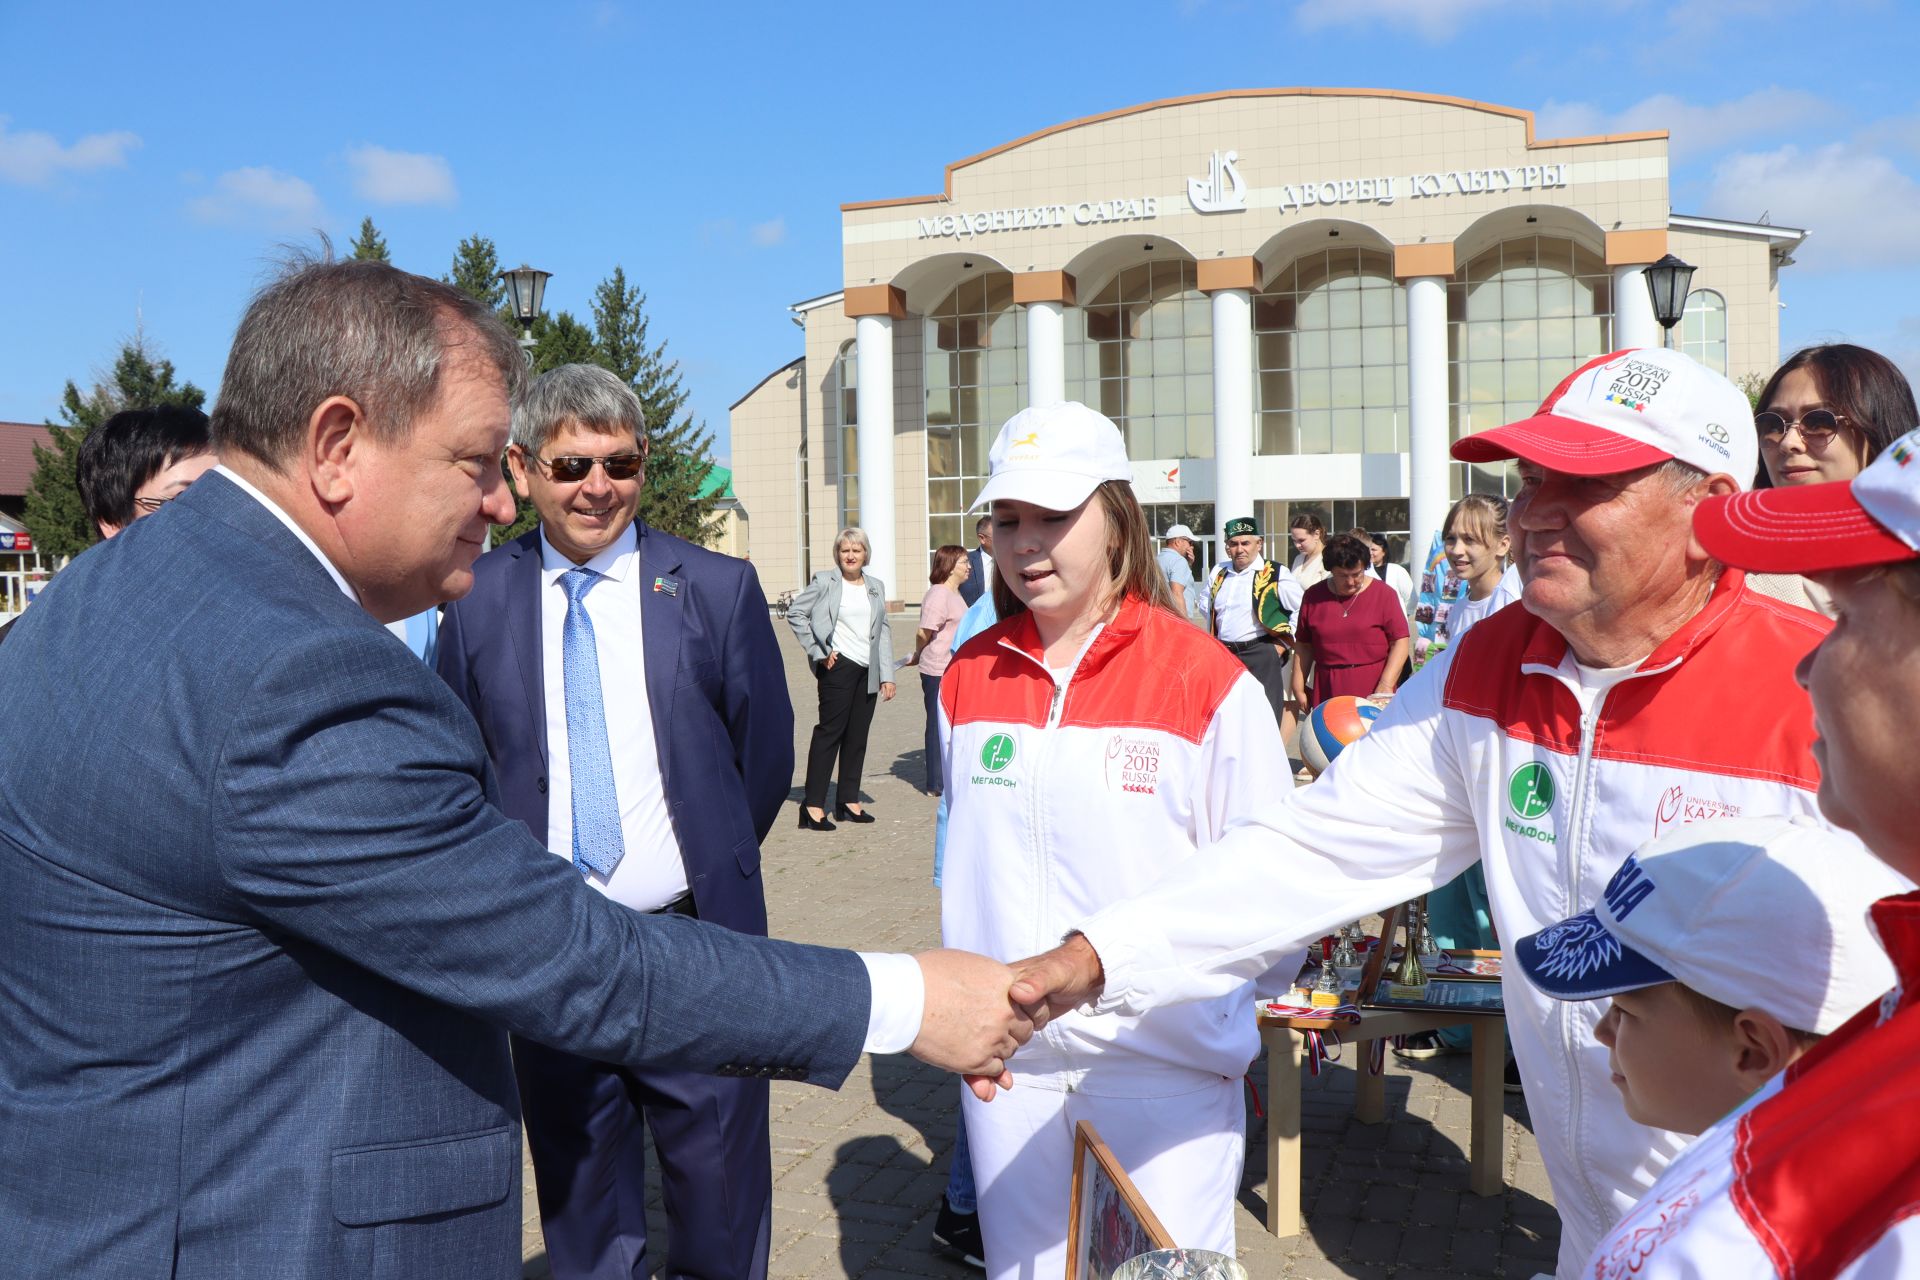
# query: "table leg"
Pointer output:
{"type": "Point", "coordinates": [1283, 1131]}
{"type": "Point", "coordinates": [1489, 1110]}
{"type": "Point", "coordinates": [1369, 1090]}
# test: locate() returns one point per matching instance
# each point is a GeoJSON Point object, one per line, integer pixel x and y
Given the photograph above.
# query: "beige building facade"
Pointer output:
{"type": "Point", "coordinates": [1290, 300]}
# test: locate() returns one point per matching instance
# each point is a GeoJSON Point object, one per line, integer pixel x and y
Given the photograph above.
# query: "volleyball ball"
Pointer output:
{"type": "Point", "coordinates": [1332, 725]}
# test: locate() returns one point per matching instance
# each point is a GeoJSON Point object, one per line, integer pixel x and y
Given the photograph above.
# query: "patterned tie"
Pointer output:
{"type": "Point", "coordinates": [597, 845]}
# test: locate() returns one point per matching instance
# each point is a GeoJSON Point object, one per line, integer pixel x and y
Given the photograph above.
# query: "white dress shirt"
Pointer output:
{"type": "Point", "coordinates": [1233, 605]}
{"type": "Point", "coordinates": [852, 624]}
{"type": "Point", "coordinates": [651, 873]}
{"type": "Point", "coordinates": [899, 993]}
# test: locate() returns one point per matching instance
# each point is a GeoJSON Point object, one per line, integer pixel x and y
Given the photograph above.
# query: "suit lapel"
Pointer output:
{"type": "Point", "coordinates": [523, 628]}
{"type": "Point", "coordinates": [661, 624]}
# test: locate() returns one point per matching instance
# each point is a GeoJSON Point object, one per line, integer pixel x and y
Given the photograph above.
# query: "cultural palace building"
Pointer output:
{"type": "Point", "coordinates": [1289, 299]}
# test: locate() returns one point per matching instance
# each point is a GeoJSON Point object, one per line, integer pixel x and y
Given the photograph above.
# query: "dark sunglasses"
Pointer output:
{"type": "Point", "coordinates": [572, 468]}
{"type": "Point", "coordinates": [1817, 427]}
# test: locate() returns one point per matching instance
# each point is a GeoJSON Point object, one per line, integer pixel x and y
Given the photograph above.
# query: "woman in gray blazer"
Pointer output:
{"type": "Point", "coordinates": [841, 622]}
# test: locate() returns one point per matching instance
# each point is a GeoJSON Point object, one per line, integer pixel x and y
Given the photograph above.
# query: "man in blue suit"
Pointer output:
{"type": "Point", "coordinates": [696, 728]}
{"type": "Point", "coordinates": [263, 935]}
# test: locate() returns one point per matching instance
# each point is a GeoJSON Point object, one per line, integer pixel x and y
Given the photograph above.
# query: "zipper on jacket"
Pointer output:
{"type": "Point", "coordinates": [1570, 861]}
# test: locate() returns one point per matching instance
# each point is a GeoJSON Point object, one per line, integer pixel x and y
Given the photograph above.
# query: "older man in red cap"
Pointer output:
{"type": "Point", "coordinates": [1641, 686]}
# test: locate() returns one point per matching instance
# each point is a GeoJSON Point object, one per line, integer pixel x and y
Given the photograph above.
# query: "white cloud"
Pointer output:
{"type": "Point", "coordinates": [768, 234]}
{"type": "Point", "coordinates": [1436, 21]}
{"type": "Point", "coordinates": [1696, 128]}
{"type": "Point", "coordinates": [34, 159]}
{"type": "Point", "coordinates": [401, 177]}
{"type": "Point", "coordinates": [1860, 207]}
{"type": "Point", "coordinates": [259, 196]}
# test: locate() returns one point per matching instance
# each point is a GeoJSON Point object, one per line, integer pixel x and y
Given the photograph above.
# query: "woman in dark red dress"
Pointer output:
{"type": "Point", "coordinates": [1350, 636]}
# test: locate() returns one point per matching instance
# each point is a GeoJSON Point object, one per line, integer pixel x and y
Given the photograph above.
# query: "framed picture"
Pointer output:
{"type": "Point", "coordinates": [1110, 1221]}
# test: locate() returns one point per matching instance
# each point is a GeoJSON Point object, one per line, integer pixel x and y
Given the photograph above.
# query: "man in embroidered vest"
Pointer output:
{"type": "Point", "coordinates": [1252, 601]}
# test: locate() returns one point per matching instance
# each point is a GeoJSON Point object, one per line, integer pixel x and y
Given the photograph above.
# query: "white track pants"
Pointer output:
{"type": "Point", "coordinates": [1183, 1152]}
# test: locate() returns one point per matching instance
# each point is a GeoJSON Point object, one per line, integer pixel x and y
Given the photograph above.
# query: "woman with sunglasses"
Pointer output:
{"type": "Point", "coordinates": [841, 622]}
{"type": "Point", "coordinates": [1823, 416]}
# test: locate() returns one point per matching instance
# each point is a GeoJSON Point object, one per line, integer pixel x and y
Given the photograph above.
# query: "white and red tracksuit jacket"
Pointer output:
{"type": "Point", "coordinates": [1068, 797]}
{"type": "Point", "coordinates": [1818, 1175]}
{"type": "Point", "coordinates": [1487, 755]}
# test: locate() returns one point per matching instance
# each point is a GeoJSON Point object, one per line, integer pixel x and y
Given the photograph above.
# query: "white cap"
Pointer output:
{"type": "Point", "coordinates": [1629, 410]}
{"type": "Point", "coordinates": [1757, 913]}
{"type": "Point", "coordinates": [1177, 531]}
{"type": "Point", "coordinates": [1054, 456]}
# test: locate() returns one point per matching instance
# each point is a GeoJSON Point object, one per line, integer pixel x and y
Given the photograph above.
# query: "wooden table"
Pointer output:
{"type": "Point", "coordinates": [1284, 1046]}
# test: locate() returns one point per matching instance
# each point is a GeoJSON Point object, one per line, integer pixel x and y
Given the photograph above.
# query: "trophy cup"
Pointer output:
{"type": "Point", "coordinates": [1410, 974]}
{"type": "Point", "coordinates": [1344, 955]}
{"type": "Point", "coordinates": [1424, 946]}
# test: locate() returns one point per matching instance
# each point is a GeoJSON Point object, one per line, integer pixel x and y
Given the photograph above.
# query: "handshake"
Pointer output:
{"type": "Point", "coordinates": [979, 1011]}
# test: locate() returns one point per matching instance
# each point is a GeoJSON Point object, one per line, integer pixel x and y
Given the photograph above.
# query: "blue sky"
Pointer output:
{"type": "Point", "coordinates": [153, 157]}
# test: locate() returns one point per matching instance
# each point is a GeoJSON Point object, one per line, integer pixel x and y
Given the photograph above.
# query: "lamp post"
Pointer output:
{"type": "Point", "coordinates": [526, 286]}
{"type": "Point", "coordinates": [1667, 284]}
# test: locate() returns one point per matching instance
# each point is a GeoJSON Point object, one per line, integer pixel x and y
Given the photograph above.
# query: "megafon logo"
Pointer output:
{"type": "Point", "coordinates": [995, 755]}
{"type": "Point", "coordinates": [1530, 796]}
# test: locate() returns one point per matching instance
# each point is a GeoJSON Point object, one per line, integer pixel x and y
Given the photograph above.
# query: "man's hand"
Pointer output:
{"type": "Point", "coordinates": [1058, 981]}
{"type": "Point", "coordinates": [969, 1025]}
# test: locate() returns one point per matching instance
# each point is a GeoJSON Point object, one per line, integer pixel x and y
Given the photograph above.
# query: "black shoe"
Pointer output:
{"type": "Point", "coordinates": [1424, 1044]}
{"type": "Point", "coordinates": [1513, 1077]}
{"type": "Point", "coordinates": [845, 814]}
{"type": "Point", "coordinates": [959, 1233]}
{"type": "Point", "coordinates": [810, 823]}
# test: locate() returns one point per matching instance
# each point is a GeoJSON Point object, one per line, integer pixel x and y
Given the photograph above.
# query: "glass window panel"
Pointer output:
{"type": "Point", "coordinates": [943, 452]}
{"type": "Point", "coordinates": [1378, 434]}
{"type": "Point", "coordinates": [1343, 347]}
{"type": "Point", "coordinates": [1346, 431]}
{"type": "Point", "coordinates": [1113, 397]}
{"type": "Point", "coordinates": [1112, 362]}
{"type": "Point", "coordinates": [1315, 391]}
{"type": "Point", "coordinates": [1276, 432]}
{"type": "Point", "coordinates": [1198, 313]}
{"type": "Point", "coordinates": [1273, 350]}
{"type": "Point", "coordinates": [1199, 393]}
{"type": "Point", "coordinates": [1076, 362]}
{"type": "Point", "coordinates": [1199, 435]}
{"type": "Point", "coordinates": [1483, 340]}
{"type": "Point", "coordinates": [1377, 346]}
{"type": "Point", "coordinates": [1483, 301]}
{"type": "Point", "coordinates": [1556, 339]}
{"type": "Point", "coordinates": [997, 292]}
{"type": "Point", "coordinates": [1521, 338]}
{"type": "Point", "coordinates": [969, 368]}
{"type": "Point", "coordinates": [937, 372]}
{"type": "Point", "coordinates": [1315, 348]}
{"type": "Point", "coordinates": [1313, 311]}
{"type": "Point", "coordinates": [1103, 323]}
{"type": "Point", "coordinates": [1170, 395]}
{"type": "Point", "coordinates": [1345, 386]}
{"type": "Point", "coordinates": [939, 408]}
{"type": "Point", "coordinates": [974, 444]}
{"type": "Point", "coordinates": [1484, 385]}
{"type": "Point", "coordinates": [1343, 308]}
{"type": "Point", "coordinates": [1377, 387]}
{"type": "Point", "coordinates": [1556, 296]}
{"type": "Point", "coordinates": [1166, 356]}
{"type": "Point", "coordinates": [1134, 281]}
{"type": "Point", "coordinates": [1197, 354]}
{"type": "Point", "coordinates": [1312, 273]}
{"type": "Point", "coordinates": [1717, 324]}
{"type": "Point", "coordinates": [1376, 306]}
{"type": "Point", "coordinates": [944, 495]}
{"type": "Point", "coordinates": [1002, 330]}
{"type": "Point", "coordinates": [972, 296]}
{"type": "Point", "coordinates": [1002, 403]}
{"type": "Point", "coordinates": [1523, 386]}
{"type": "Point", "coordinates": [947, 531]}
{"type": "Point", "coordinates": [1275, 391]}
{"type": "Point", "coordinates": [1316, 431]}
{"type": "Point", "coordinates": [1140, 396]}
{"type": "Point", "coordinates": [1271, 313]}
{"type": "Point", "coordinates": [1000, 368]}
{"type": "Point", "coordinates": [1456, 302]}
{"type": "Point", "coordinates": [1590, 337]}
{"type": "Point", "coordinates": [967, 333]}
{"type": "Point", "coordinates": [1518, 298]}
{"type": "Point", "coordinates": [969, 405]}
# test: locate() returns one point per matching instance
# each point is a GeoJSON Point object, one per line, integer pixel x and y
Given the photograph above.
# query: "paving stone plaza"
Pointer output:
{"type": "Point", "coordinates": [858, 1173]}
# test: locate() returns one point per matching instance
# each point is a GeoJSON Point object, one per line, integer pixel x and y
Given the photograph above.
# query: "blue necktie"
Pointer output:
{"type": "Point", "coordinates": [597, 845]}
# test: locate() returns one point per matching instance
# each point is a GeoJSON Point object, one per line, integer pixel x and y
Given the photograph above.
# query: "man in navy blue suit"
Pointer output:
{"type": "Point", "coordinates": [696, 729]}
{"type": "Point", "coordinates": [264, 933]}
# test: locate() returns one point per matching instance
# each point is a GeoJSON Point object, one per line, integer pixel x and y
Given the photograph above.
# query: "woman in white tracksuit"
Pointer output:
{"type": "Point", "coordinates": [1094, 739]}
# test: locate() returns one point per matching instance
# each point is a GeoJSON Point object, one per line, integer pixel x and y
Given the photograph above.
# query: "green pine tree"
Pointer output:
{"type": "Point", "coordinates": [682, 450]}
{"type": "Point", "coordinates": [370, 244]}
{"type": "Point", "coordinates": [54, 514]}
{"type": "Point", "coordinates": [476, 272]}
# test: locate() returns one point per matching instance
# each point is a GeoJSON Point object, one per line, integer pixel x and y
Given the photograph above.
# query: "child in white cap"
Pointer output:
{"type": "Point", "coordinates": [1729, 949]}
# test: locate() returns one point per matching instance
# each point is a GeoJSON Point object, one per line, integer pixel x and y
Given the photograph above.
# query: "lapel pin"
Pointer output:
{"type": "Point", "coordinates": [669, 586]}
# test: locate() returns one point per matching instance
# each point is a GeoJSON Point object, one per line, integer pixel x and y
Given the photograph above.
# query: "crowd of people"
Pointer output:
{"type": "Point", "coordinates": [335, 918]}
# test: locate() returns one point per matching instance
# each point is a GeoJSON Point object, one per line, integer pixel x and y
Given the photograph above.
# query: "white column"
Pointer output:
{"type": "Point", "coordinates": [1426, 411]}
{"type": "Point", "coordinates": [1233, 408]}
{"type": "Point", "coordinates": [1046, 352]}
{"type": "Point", "coordinates": [873, 409]}
{"type": "Point", "coordinates": [1634, 324]}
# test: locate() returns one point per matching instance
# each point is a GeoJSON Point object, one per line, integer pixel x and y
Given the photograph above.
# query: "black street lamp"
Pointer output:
{"type": "Point", "coordinates": [1667, 284]}
{"type": "Point", "coordinates": [526, 286]}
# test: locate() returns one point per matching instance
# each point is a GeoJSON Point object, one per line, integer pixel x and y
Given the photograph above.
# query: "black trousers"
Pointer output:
{"type": "Point", "coordinates": [1268, 665]}
{"type": "Point", "coordinates": [930, 694]}
{"type": "Point", "coordinates": [846, 713]}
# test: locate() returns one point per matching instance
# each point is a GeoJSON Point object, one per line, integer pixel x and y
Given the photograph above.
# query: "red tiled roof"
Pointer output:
{"type": "Point", "coordinates": [16, 455]}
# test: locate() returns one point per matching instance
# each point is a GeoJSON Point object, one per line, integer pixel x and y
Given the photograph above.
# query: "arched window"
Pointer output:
{"type": "Point", "coordinates": [1521, 316]}
{"type": "Point", "coordinates": [1703, 329]}
{"type": "Point", "coordinates": [974, 346]}
{"type": "Point", "coordinates": [843, 419]}
{"type": "Point", "coordinates": [1141, 352]}
{"type": "Point", "coordinates": [1330, 339]}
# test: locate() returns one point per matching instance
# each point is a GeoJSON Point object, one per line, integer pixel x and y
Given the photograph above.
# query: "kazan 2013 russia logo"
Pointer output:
{"type": "Point", "coordinates": [1636, 383]}
{"type": "Point", "coordinates": [1530, 796]}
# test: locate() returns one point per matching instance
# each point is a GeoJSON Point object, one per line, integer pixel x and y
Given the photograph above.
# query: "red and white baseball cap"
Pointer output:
{"type": "Point", "coordinates": [1873, 518]}
{"type": "Point", "coordinates": [1054, 456]}
{"type": "Point", "coordinates": [1628, 410]}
